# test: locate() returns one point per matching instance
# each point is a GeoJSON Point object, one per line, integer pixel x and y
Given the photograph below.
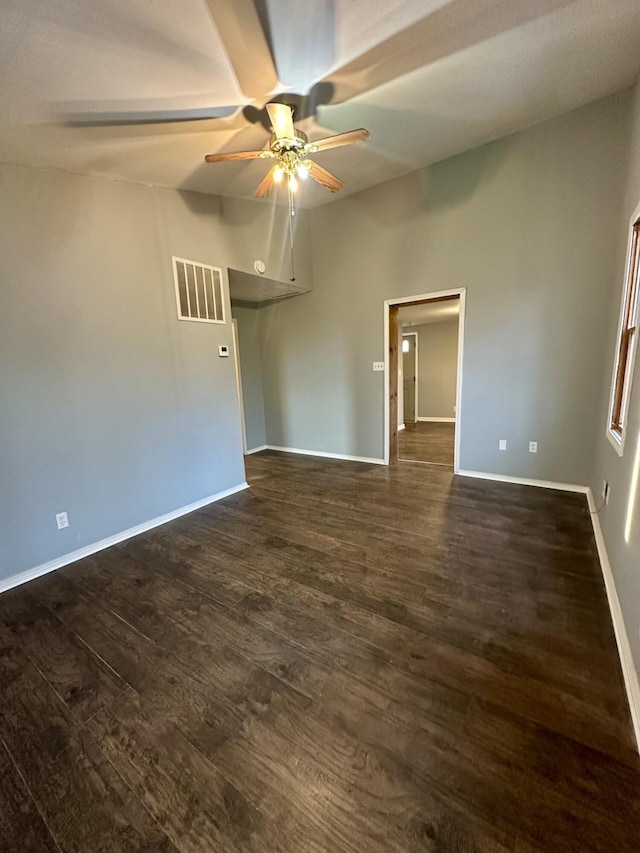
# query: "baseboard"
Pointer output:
{"type": "Point", "coordinates": [66, 559]}
{"type": "Point", "coordinates": [401, 427]}
{"type": "Point", "coordinates": [438, 420]}
{"type": "Point", "coordinates": [523, 481]}
{"type": "Point", "coordinates": [624, 649]}
{"type": "Point", "coordinates": [255, 450]}
{"type": "Point", "coordinates": [369, 459]}
{"type": "Point", "coordinates": [632, 686]}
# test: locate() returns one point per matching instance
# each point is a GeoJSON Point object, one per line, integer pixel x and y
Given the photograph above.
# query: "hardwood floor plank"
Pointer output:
{"type": "Point", "coordinates": [197, 807]}
{"type": "Point", "coordinates": [78, 676]}
{"type": "Point", "coordinates": [295, 669]}
{"type": "Point", "coordinates": [193, 704]}
{"type": "Point", "coordinates": [84, 802]}
{"type": "Point", "coordinates": [21, 825]}
{"type": "Point", "coordinates": [278, 764]}
{"type": "Point", "coordinates": [427, 442]}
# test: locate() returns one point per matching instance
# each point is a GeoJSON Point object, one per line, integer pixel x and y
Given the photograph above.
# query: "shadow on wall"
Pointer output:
{"type": "Point", "coordinates": [305, 398]}
{"type": "Point", "coordinates": [445, 185]}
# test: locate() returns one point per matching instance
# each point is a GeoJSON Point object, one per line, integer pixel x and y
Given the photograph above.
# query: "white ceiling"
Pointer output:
{"type": "Point", "coordinates": [429, 312]}
{"type": "Point", "coordinates": [428, 78]}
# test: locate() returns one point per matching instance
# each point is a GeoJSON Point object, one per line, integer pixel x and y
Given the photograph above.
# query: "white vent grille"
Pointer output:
{"type": "Point", "coordinates": [199, 293]}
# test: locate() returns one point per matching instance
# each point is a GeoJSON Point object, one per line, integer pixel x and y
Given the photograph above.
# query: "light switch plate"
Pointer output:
{"type": "Point", "coordinates": [223, 351]}
{"type": "Point", "coordinates": [378, 366]}
{"type": "Point", "coordinates": [502, 444]}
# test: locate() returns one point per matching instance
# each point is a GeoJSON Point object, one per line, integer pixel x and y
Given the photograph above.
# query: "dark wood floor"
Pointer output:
{"type": "Point", "coordinates": [345, 658]}
{"type": "Point", "coordinates": [427, 441]}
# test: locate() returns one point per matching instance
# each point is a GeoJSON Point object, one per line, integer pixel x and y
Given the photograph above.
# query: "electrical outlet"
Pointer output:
{"type": "Point", "coordinates": [378, 365]}
{"type": "Point", "coordinates": [62, 520]}
{"type": "Point", "coordinates": [502, 444]}
{"type": "Point", "coordinates": [606, 491]}
{"type": "Point", "coordinates": [533, 447]}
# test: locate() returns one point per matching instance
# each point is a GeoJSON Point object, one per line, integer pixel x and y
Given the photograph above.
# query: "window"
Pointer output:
{"type": "Point", "coordinates": [198, 291]}
{"type": "Point", "coordinates": [627, 335]}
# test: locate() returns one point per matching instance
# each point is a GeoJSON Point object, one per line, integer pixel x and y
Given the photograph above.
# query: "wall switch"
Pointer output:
{"type": "Point", "coordinates": [533, 447]}
{"type": "Point", "coordinates": [606, 491]}
{"type": "Point", "coordinates": [502, 444]}
{"type": "Point", "coordinates": [62, 520]}
{"type": "Point", "coordinates": [223, 351]}
{"type": "Point", "coordinates": [378, 365]}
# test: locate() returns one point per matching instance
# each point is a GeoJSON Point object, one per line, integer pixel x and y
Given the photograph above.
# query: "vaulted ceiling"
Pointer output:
{"type": "Point", "coordinates": [95, 86]}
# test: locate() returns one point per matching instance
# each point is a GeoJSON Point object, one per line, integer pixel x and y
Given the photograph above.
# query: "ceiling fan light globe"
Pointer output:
{"type": "Point", "coordinates": [277, 174]}
{"type": "Point", "coordinates": [303, 171]}
{"type": "Point", "coordinates": [293, 183]}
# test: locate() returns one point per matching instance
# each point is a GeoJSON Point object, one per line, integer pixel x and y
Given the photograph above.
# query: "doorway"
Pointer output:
{"type": "Point", "coordinates": [423, 370]}
{"type": "Point", "coordinates": [410, 377]}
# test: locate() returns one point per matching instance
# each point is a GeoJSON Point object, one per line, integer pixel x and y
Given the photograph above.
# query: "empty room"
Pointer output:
{"type": "Point", "coordinates": [273, 580]}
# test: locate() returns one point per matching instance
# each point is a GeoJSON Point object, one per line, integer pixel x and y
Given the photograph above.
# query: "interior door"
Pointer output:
{"type": "Point", "coordinates": [409, 377]}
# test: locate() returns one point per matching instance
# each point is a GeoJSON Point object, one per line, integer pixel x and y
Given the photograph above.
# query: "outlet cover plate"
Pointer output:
{"type": "Point", "coordinates": [62, 520]}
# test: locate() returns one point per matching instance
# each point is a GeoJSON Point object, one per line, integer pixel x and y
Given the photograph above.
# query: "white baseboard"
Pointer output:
{"type": "Point", "coordinates": [523, 481]}
{"type": "Point", "coordinates": [438, 420]}
{"type": "Point", "coordinates": [59, 562]}
{"type": "Point", "coordinates": [255, 450]}
{"type": "Point", "coordinates": [629, 672]}
{"type": "Point", "coordinates": [401, 426]}
{"type": "Point", "coordinates": [370, 459]}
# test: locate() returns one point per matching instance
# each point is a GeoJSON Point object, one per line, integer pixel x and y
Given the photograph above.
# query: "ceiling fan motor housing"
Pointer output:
{"type": "Point", "coordinates": [297, 143]}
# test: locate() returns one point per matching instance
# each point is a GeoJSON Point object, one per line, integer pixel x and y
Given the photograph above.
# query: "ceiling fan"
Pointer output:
{"type": "Point", "coordinates": [290, 147]}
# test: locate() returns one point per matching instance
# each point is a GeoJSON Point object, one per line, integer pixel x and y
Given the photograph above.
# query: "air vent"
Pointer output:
{"type": "Point", "coordinates": [199, 294]}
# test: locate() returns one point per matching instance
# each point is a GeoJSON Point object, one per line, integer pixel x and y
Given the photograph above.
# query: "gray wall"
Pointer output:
{"type": "Point", "coordinates": [437, 368]}
{"type": "Point", "coordinates": [250, 348]}
{"type": "Point", "coordinates": [528, 225]}
{"type": "Point", "coordinates": [111, 409]}
{"type": "Point", "coordinates": [623, 474]}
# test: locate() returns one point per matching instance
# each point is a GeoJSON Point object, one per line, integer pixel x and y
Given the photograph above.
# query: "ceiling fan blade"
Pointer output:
{"type": "Point", "coordinates": [246, 45]}
{"type": "Point", "coordinates": [319, 174]}
{"type": "Point", "coordinates": [348, 138]}
{"type": "Point", "coordinates": [266, 185]}
{"type": "Point", "coordinates": [236, 155]}
{"type": "Point", "coordinates": [447, 29]}
{"type": "Point", "coordinates": [282, 120]}
{"type": "Point", "coordinates": [114, 118]}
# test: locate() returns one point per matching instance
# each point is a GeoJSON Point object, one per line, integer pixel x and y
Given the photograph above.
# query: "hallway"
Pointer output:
{"type": "Point", "coordinates": [427, 442]}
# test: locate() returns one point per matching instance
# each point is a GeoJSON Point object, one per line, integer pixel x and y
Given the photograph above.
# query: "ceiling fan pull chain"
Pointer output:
{"type": "Point", "coordinates": [292, 213]}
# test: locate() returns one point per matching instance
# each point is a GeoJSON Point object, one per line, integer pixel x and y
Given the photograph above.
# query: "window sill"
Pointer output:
{"type": "Point", "coordinates": [616, 439]}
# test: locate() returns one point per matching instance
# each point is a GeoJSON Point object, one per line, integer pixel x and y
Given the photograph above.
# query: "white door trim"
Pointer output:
{"type": "Point", "coordinates": [457, 291]}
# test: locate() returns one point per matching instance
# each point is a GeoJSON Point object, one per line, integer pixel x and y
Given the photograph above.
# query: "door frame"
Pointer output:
{"type": "Point", "coordinates": [391, 366]}
{"type": "Point", "coordinates": [415, 373]}
{"type": "Point", "coordinates": [236, 358]}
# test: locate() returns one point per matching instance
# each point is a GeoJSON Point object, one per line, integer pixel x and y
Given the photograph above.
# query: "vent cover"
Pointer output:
{"type": "Point", "coordinates": [199, 294]}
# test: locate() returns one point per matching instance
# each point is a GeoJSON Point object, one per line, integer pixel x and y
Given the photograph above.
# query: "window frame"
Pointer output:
{"type": "Point", "coordinates": [626, 341]}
